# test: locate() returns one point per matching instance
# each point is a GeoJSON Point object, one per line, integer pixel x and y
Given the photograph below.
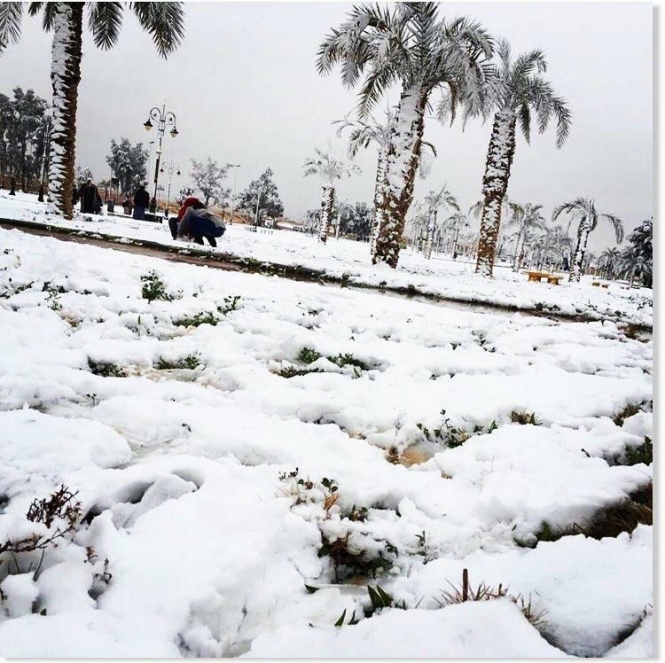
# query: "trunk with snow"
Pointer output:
{"type": "Point", "coordinates": [495, 183]}
{"type": "Point", "coordinates": [65, 77]}
{"type": "Point", "coordinates": [402, 163]}
{"type": "Point", "coordinates": [519, 246]}
{"type": "Point", "coordinates": [379, 193]}
{"type": "Point", "coordinates": [327, 202]}
{"type": "Point", "coordinates": [580, 250]}
{"type": "Point", "coordinates": [431, 229]}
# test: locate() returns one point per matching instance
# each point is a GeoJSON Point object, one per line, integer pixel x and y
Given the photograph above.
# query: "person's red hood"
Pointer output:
{"type": "Point", "coordinates": [188, 202]}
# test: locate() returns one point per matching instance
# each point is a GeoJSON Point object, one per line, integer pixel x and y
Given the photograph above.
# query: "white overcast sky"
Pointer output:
{"type": "Point", "coordinates": [245, 90]}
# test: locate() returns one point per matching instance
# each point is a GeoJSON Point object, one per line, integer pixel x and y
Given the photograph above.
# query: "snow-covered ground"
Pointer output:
{"type": "Point", "coordinates": [243, 482]}
{"type": "Point", "coordinates": [439, 276]}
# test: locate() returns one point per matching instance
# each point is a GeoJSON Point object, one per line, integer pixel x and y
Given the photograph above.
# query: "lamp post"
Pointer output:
{"type": "Point", "coordinates": [235, 181]}
{"type": "Point", "coordinates": [169, 168]}
{"type": "Point", "coordinates": [163, 118]}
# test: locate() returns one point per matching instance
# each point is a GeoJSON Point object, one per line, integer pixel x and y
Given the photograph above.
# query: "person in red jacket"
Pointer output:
{"type": "Point", "coordinates": [192, 201]}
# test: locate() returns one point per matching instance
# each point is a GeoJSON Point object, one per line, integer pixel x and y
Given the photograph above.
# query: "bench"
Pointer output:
{"type": "Point", "coordinates": [550, 278]}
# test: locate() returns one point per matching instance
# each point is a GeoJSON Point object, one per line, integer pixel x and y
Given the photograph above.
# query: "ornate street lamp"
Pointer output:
{"type": "Point", "coordinates": [163, 118]}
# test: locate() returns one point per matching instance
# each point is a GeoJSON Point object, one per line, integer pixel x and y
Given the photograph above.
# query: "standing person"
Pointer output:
{"type": "Point", "coordinates": [88, 195]}
{"type": "Point", "coordinates": [141, 202]}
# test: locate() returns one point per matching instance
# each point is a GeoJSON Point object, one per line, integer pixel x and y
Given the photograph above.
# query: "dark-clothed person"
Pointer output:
{"type": "Point", "coordinates": [191, 201]}
{"type": "Point", "coordinates": [201, 223]}
{"type": "Point", "coordinates": [88, 195]}
{"type": "Point", "coordinates": [141, 202]}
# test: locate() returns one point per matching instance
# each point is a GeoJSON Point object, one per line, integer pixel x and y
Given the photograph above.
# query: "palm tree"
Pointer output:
{"type": "Point", "coordinates": [456, 221]}
{"type": "Point", "coordinates": [583, 210]}
{"type": "Point", "coordinates": [518, 93]}
{"type": "Point", "coordinates": [433, 202]}
{"type": "Point", "coordinates": [553, 247]}
{"type": "Point", "coordinates": [609, 259]}
{"type": "Point", "coordinates": [330, 169]}
{"type": "Point", "coordinates": [407, 44]}
{"type": "Point", "coordinates": [528, 220]}
{"type": "Point", "coordinates": [163, 20]}
{"type": "Point", "coordinates": [363, 133]}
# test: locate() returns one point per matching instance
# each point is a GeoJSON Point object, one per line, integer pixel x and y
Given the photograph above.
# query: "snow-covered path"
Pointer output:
{"type": "Point", "coordinates": [347, 259]}
{"type": "Point", "coordinates": [238, 437]}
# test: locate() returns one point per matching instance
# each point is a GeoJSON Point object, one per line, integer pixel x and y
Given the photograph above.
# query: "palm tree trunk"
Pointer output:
{"type": "Point", "coordinates": [578, 258]}
{"type": "Point", "coordinates": [327, 202]}
{"type": "Point", "coordinates": [431, 227]}
{"type": "Point", "coordinates": [379, 193]}
{"type": "Point", "coordinates": [65, 77]}
{"type": "Point", "coordinates": [518, 249]}
{"type": "Point", "coordinates": [495, 183]}
{"type": "Point", "coordinates": [403, 158]}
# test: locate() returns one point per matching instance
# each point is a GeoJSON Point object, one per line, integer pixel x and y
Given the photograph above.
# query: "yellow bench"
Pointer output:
{"type": "Point", "coordinates": [550, 278]}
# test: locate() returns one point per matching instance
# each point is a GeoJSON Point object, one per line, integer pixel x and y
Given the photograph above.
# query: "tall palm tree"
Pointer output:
{"type": "Point", "coordinates": [330, 169]}
{"type": "Point", "coordinates": [528, 220]}
{"type": "Point", "coordinates": [407, 44]}
{"type": "Point", "coordinates": [583, 210]}
{"type": "Point", "coordinates": [163, 20]}
{"type": "Point", "coordinates": [433, 202]}
{"type": "Point", "coordinates": [518, 93]}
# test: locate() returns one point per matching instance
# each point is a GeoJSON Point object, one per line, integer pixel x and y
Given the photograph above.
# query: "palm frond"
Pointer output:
{"type": "Point", "coordinates": [164, 21]}
{"type": "Point", "coordinates": [10, 23]}
{"type": "Point", "coordinates": [617, 224]}
{"type": "Point", "coordinates": [104, 21]}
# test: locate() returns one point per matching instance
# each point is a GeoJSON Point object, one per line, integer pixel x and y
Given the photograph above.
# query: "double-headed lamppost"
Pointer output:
{"type": "Point", "coordinates": [169, 167]}
{"type": "Point", "coordinates": [163, 118]}
{"type": "Point", "coordinates": [235, 181]}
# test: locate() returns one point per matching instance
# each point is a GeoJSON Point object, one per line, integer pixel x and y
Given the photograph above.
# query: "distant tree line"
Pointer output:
{"type": "Point", "coordinates": [24, 135]}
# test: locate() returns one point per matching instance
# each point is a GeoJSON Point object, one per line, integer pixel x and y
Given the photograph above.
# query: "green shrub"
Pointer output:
{"type": "Point", "coordinates": [154, 288]}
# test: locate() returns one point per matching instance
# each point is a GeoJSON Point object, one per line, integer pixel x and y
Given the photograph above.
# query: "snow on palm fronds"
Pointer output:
{"type": "Point", "coordinates": [517, 91]}
{"type": "Point", "coordinates": [409, 45]}
{"type": "Point", "coordinates": [163, 20]}
{"type": "Point", "coordinates": [583, 212]}
{"type": "Point", "coordinates": [330, 169]}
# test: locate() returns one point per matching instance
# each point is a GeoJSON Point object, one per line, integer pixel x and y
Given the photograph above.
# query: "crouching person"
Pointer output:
{"type": "Point", "coordinates": [198, 222]}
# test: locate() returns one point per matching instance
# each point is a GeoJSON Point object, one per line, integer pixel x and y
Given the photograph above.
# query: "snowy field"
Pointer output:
{"type": "Point", "coordinates": [439, 276]}
{"type": "Point", "coordinates": [267, 468]}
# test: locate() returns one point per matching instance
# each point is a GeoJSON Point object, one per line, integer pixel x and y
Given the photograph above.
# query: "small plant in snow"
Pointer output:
{"type": "Point", "coordinates": [203, 318]}
{"type": "Point", "coordinates": [60, 514]}
{"type": "Point", "coordinates": [190, 362]}
{"type": "Point", "coordinates": [154, 288]}
{"type": "Point", "coordinates": [523, 417]}
{"type": "Point", "coordinates": [230, 304]}
{"type": "Point", "coordinates": [105, 369]}
{"type": "Point", "coordinates": [484, 592]}
{"type": "Point", "coordinates": [308, 355]}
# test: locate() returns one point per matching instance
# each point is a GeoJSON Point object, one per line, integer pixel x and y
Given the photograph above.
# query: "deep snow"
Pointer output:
{"type": "Point", "coordinates": [183, 444]}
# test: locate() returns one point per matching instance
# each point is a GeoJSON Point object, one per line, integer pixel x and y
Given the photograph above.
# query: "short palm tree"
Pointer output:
{"type": "Point", "coordinates": [163, 20]}
{"type": "Point", "coordinates": [433, 202]}
{"type": "Point", "coordinates": [517, 94]}
{"type": "Point", "coordinates": [609, 260]}
{"type": "Point", "coordinates": [583, 210]}
{"type": "Point", "coordinates": [363, 133]}
{"type": "Point", "coordinates": [456, 221]}
{"type": "Point", "coordinates": [330, 169]}
{"type": "Point", "coordinates": [407, 44]}
{"type": "Point", "coordinates": [528, 220]}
